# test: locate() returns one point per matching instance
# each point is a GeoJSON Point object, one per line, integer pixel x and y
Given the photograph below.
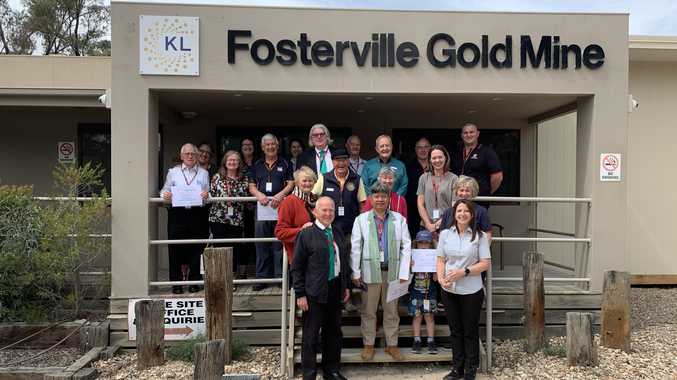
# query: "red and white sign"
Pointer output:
{"type": "Point", "coordinates": [610, 167]}
{"type": "Point", "coordinates": [66, 152]}
{"type": "Point", "coordinates": [184, 318]}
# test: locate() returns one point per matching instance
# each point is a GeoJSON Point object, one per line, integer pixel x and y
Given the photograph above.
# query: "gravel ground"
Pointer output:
{"type": "Point", "coordinates": [62, 357]}
{"type": "Point", "coordinates": [653, 355]}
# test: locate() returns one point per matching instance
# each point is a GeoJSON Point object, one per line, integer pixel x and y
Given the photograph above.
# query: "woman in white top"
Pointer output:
{"type": "Point", "coordinates": [435, 189]}
{"type": "Point", "coordinates": [462, 255]}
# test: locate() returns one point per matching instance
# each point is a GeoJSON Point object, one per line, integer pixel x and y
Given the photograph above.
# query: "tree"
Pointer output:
{"type": "Point", "coordinates": [69, 26]}
{"type": "Point", "coordinates": [15, 36]}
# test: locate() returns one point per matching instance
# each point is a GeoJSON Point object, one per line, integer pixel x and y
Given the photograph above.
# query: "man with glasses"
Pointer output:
{"type": "Point", "coordinates": [415, 169]}
{"type": "Point", "coordinates": [318, 156]}
{"type": "Point", "coordinates": [270, 180]}
{"type": "Point", "coordinates": [185, 222]}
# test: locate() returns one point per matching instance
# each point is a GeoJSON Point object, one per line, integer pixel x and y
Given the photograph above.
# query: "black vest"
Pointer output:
{"type": "Point", "coordinates": [346, 199]}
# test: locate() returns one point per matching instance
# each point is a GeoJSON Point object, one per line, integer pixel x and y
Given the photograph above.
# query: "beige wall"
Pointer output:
{"type": "Point", "coordinates": [29, 138]}
{"type": "Point", "coordinates": [649, 167]}
{"type": "Point", "coordinates": [55, 72]}
{"type": "Point", "coordinates": [134, 115]}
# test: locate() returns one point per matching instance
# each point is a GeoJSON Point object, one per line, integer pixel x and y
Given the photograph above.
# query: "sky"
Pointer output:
{"type": "Point", "coordinates": [647, 17]}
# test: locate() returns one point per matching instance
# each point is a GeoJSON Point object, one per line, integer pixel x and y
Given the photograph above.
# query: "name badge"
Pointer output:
{"type": "Point", "coordinates": [436, 214]}
{"type": "Point", "coordinates": [382, 255]}
{"type": "Point", "coordinates": [279, 168]}
{"type": "Point", "coordinates": [331, 189]}
{"type": "Point", "coordinates": [341, 211]}
{"type": "Point", "coordinates": [269, 186]}
{"type": "Point", "coordinates": [426, 305]}
{"type": "Point", "coordinates": [230, 211]}
{"type": "Point", "coordinates": [394, 168]}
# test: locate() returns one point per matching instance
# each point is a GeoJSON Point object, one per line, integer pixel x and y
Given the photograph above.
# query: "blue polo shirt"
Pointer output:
{"type": "Point", "coordinates": [278, 174]}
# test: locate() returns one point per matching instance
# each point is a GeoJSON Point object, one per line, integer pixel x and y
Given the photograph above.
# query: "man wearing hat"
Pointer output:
{"type": "Point", "coordinates": [346, 189]}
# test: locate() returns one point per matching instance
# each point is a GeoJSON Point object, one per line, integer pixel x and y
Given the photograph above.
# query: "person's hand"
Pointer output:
{"type": "Point", "coordinates": [412, 264]}
{"type": "Point", "coordinates": [346, 296]}
{"type": "Point", "coordinates": [274, 202]}
{"type": "Point", "coordinates": [306, 225]}
{"type": "Point", "coordinates": [438, 224]}
{"type": "Point", "coordinates": [263, 200]}
{"type": "Point", "coordinates": [357, 282]}
{"type": "Point", "coordinates": [204, 194]}
{"type": "Point", "coordinates": [434, 276]}
{"type": "Point", "coordinates": [430, 227]}
{"type": "Point", "coordinates": [443, 282]}
{"type": "Point", "coordinates": [455, 275]}
{"type": "Point", "coordinates": [302, 303]}
{"type": "Point", "coordinates": [167, 196]}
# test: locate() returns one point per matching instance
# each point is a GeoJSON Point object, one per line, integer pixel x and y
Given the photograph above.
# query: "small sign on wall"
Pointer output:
{"type": "Point", "coordinates": [66, 151]}
{"type": "Point", "coordinates": [610, 167]}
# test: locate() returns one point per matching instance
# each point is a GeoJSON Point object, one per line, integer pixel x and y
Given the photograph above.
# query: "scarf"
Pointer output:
{"type": "Point", "coordinates": [308, 199]}
{"type": "Point", "coordinates": [393, 250]}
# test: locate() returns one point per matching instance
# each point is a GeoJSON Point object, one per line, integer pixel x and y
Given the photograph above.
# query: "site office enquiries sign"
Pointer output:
{"type": "Point", "coordinates": [184, 318]}
{"type": "Point", "coordinates": [610, 167]}
{"type": "Point", "coordinates": [169, 45]}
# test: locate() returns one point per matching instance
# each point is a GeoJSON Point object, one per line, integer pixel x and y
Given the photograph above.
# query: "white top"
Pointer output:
{"type": "Point", "coordinates": [327, 159]}
{"type": "Point", "coordinates": [182, 174]}
{"type": "Point", "coordinates": [460, 252]}
{"type": "Point", "coordinates": [337, 255]}
{"type": "Point", "coordinates": [357, 165]}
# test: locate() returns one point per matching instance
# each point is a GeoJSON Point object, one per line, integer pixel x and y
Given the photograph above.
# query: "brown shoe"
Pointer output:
{"type": "Point", "coordinates": [368, 353]}
{"type": "Point", "coordinates": [395, 353]}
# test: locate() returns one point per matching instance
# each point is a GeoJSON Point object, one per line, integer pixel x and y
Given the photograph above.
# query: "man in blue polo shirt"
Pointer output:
{"type": "Point", "coordinates": [270, 180]}
{"type": "Point", "coordinates": [384, 148]}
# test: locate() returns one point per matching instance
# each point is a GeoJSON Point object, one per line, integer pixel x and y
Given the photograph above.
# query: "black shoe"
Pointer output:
{"type": "Point", "coordinates": [453, 375]}
{"type": "Point", "coordinates": [432, 347]}
{"type": "Point", "coordinates": [177, 289]}
{"type": "Point", "coordinates": [333, 376]}
{"type": "Point", "coordinates": [470, 374]}
{"type": "Point", "coordinates": [259, 287]}
{"type": "Point", "coordinates": [193, 289]}
{"type": "Point", "coordinates": [416, 347]}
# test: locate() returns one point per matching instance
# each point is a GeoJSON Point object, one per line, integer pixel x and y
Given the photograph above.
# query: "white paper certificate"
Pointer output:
{"type": "Point", "coordinates": [264, 213]}
{"type": "Point", "coordinates": [186, 196]}
{"type": "Point", "coordinates": [397, 289]}
{"type": "Point", "coordinates": [425, 260]}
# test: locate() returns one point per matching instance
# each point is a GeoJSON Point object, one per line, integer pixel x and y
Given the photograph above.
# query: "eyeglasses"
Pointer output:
{"type": "Point", "coordinates": [189, 154]}
{"type": "Point", "coordinates": [423, 147]}
{"type": "Point", "coordinates": [206, 151]}
{"type": "Point", "coordinates": [321, 134]}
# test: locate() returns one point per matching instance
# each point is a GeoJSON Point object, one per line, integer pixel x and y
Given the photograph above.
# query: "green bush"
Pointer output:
{"type": "Point", "coordinates": [44, 246]}
{"type": "Point", "coordinates": [184, 350]}
{"type": "Point", "coordinates": [554, 348]}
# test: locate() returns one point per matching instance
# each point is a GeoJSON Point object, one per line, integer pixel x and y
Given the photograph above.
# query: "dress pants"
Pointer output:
{"type": "Point", "coordinates": [463, 315]}
{"type": "Point", "coordinates": [229, 231]}
{"type": "Point", "coordinates": [185, 223]}
{"type": "Point", "coordinates": [268, 255]}
{"type": "Point", "coordinates": [326, 316]}
{"type": "Point", "coordinates": [375, 294]}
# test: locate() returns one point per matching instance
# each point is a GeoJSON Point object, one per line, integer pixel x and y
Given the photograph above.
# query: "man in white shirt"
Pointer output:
{"type": "Point", "coordinates": [354, 146]}
{"type": "Point", "coordinates": [318, 156]}
{"type": "Point", "coordinates": [185, 222]}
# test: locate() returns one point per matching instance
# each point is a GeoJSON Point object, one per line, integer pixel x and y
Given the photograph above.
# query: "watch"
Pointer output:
{"type": "Point", "coordinates": [467, 271]}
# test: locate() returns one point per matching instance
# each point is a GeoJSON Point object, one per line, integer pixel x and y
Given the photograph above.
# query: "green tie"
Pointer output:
{"type": "Point", "coordinates": [330, 241]}
{"type": "Point", "coordinates": [323, 164]}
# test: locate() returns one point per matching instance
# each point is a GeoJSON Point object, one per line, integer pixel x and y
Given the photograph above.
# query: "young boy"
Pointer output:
{"type": "Point", "coordinates": [423, 298]}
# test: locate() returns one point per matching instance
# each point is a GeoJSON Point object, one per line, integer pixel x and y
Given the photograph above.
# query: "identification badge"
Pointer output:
{"type": "Point", "coordinates": [269, 186]}
{"type": "Point", "coordinates": [426, 305]}
{"type": "Point", "coordinates": [230, 211]}
{"type": "Point", "coordinates": [341, 211]}
{"type": "Point", "coordinates": [382, 255]}
{"type": "Point", "coordinates": [330, 189]}
{"type": "Point", "coordinates": [436, 214]}
{"type": "Point", "coordinates": [279, 168]}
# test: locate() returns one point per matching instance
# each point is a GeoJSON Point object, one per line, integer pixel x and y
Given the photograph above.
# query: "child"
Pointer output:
{"type": "Point", "coordinates": [423, 298]}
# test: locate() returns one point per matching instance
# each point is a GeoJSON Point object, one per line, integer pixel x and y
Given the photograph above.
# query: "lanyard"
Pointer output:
{"type": "Point", "coordinates": [269, 169]}
{"type": "Point", "coordinates": [380, 227]}
{"type": "Point", "coordinates": [356, 169]}
{"type": "Point", "coordinates": [188, 183]}
{"type": "Point", "coordinates": [436, 188]}
{"type": "Point", "coordinates": [341, 186]}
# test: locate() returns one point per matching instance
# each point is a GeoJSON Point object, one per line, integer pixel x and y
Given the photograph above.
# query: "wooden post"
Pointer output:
{"type": "Point", "coordinates": [534, 300]}
{"type": "Point", "coordinates": [94, 335]}
{"type": "Point", "coordinates": [581, 350]}
{"type": "Point", "coordinates": [616, 310]}
{"type": "Point", "coordinates": [150, 333]}
{"type": "Point", "coordinates": [218, 264]}
{"type": "Point", "coordinates": [209, 360]}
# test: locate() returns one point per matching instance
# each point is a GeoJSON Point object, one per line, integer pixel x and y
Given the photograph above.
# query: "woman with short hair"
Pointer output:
{"type": "Point", "coordinates": [462, 255]}
{"type": "Point", "coordinates": [226, 219]}
{"type": "Point", "coordinates": [295, 211]}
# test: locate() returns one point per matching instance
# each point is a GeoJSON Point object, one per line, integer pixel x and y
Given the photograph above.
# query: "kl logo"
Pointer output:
{"type": "Point", "coordinates": [170, 42]}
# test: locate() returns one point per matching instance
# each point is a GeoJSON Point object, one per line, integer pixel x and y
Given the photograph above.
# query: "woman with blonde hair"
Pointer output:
{"type": "Point", "coordinates": [295, 211]}
{"type": "Point", "coordinates": [226, 219]}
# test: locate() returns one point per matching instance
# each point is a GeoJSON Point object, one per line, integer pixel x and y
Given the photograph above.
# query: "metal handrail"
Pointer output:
{"type": "Point", "coordinates": [546, 279]}
{"type": "Point", "coordinates": [554, 232]}
{"type": "Point", "coordinates": [214, 241]}
{"type": "Point", "coordinates": [60, 199]}
{"type": "Point", "coordinates": [543, 240]}
{"type": "Point", "coordinates": [534, 199]}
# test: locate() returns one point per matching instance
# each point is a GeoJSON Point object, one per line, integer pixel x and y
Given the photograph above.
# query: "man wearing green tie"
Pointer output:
{"type": "Point", "coordinates": [318, 157]}
{"type": "Point", "coordinates": [320, 274]}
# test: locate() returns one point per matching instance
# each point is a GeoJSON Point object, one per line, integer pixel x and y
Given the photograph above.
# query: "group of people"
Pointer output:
{"type": "Point", "coordinates": [346, 223]}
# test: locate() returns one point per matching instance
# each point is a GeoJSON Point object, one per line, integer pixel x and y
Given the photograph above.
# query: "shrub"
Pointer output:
{"type": "Point", "coordinates": [184, 350]}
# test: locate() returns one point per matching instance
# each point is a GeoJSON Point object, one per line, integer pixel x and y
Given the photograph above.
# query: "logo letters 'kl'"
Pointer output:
{"type": "Point", "coordinates": [169, 42]}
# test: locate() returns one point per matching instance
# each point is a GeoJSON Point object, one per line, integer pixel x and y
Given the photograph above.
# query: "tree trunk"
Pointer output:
{"type": "Point", "coordinates": [534, 300]}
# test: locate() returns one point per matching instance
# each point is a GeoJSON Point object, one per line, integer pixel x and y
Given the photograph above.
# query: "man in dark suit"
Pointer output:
{"type": "Point", "coordinates": [318, 156]}
{"type": "Point", "coordinates": [320, 273]}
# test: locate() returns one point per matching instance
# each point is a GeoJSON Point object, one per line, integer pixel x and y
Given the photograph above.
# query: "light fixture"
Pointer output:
{"type": "Point", "coordinates": [368, 98]}
{"type": "Point", "coordinates": [248, 108]}
{"type": "Point", "coordinates": [237, 95]}
{"type": "Point", "coordinates": [472, 111]}
{"type": "Point", "coordinates": [360, 111]}
{"type": "Point", "coordinates": [189, 114]}
{"type": "Point", "coordinates": [496, 99]}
